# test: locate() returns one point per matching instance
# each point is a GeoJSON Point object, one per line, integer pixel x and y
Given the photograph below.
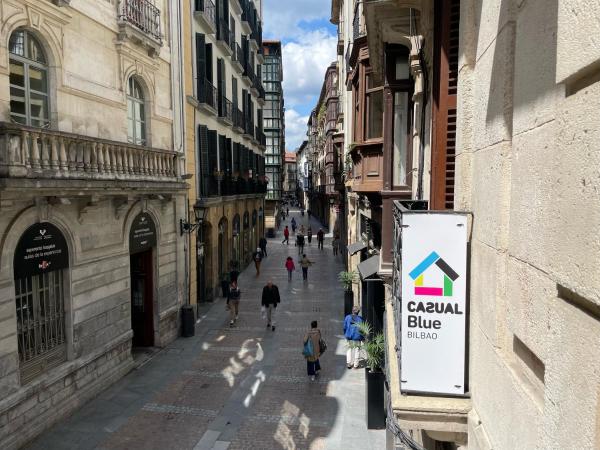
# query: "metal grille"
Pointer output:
{"type": "Point", "coordinates": [143, 15]}
{"type": "Point", "coordinates": [40, 323]}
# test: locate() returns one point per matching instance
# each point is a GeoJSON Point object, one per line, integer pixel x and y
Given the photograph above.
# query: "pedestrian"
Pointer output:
{"type": "Point", "coordinates": [289, 265]}
{"type": "Point", "coordinates": [305, 263]}
{"type": "Point", "coordinates": [270, 299]}
{"type": "Point", "coordinates": [286, 236]}
{"type": "Point", "coordinates": [309, 213]}
{"type": "Point", "coordinates": [353, 338]}
{"type": "Point", "coordinates": [287, 212]}
{"type": "Point", "coordinates": [258, 256]}
{"type": "Point", "coordinates": [300, 243]}
{"type": "Point", "coordinates": [309, 234]}
{"type": "Point", "coordinates": [312, 350]}
{"type": "Point", "coordinates": [320, 237]}
{"type": "Point", "coordinates": [233, 302]}
{"type": "Point", "coordinates": [283, 215]}
{"type": "Point", "coordinates": [301, 230]}
{"type": "Point", "coordinates": [335, 244]}
{"type": "Point", "coordinates": [233, 272]}
{"type": "Point", "coordinates": [262, 243]}
{"type": "Point", "coordinates": [293, 224]}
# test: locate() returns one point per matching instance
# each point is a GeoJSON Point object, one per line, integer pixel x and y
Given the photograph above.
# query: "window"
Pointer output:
{"type": "Point", "coordinates": [28, 80]}
{"type": "Point", "coordinates": [40, 322]}
{"type": "Point", "coordinates": [373, 109]}
{"type": "Point", "coordinates": [401, 122]}
{"type": "Point", "coordinates": [136, 113]}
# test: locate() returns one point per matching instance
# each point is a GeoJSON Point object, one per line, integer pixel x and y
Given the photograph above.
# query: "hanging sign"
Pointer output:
{"type": "Point", "coordinates": [142, 235]}
{"type": "Point", "coordinates": [42, 248]}
{"type": "Point", "coordinates": [434, 291]}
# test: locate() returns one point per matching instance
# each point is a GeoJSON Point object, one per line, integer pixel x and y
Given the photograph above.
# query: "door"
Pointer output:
{"type": "Point", "coordinates": [142, 299]}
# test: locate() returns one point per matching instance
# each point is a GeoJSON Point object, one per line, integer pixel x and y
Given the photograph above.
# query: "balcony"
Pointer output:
{"type": "Point", "coordinates": [34, 153]}
{"type": "Point", "coordinates": [236, 6]}
{"type": "Point", "coordinates": [224, 37]}
{"type": "Point", "coordinates": [248, 75]}
{"type": "Point", "coordinates": [139, 22]}
{"type": "Point", "coordinates": [260, 137]}
{"type": "Point", "coordinates": [207, 97]}
{"type": "Point", "coordinates": [248, 128]}
{"type": "Point", "coordinates": [238, 58]}
{"type": "Point", "coordinates": [238, 120]}
{"type": "Point", "coordinates": [246, 19]}
{"type": "Point", "coordinates": [205, 14]}
{"type": "Point", "coordinates": [225, 111]}
{"type": "Point", "coordinates": [358, 27]}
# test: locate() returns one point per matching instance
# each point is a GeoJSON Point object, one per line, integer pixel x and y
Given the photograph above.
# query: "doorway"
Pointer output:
{"type": "Point", "coordinates": [142, 299]}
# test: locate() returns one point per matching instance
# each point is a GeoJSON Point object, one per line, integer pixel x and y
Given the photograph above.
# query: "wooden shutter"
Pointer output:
{"type": "Point", "coordinates": [221, 85]}
{"type": "Point", "coordinates": [234, 91]}
{"type": "Point", "coordinates": [447, 21]}
{"type": "Point", "coordinates": [228, 156]}
{"type": "Point", "coordinates": [236, 157]}
{"type": "Point", "coordinates": [200, 66]}
{"type": "Point", "coordinates": [203, 150]}
{"type": "Point", "coordinates": [209, 63]}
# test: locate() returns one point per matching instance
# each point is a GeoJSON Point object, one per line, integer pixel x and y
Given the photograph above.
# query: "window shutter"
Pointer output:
{"type": "Point", "coordinates": [203, 150]}
{"type": "Point", "coordinates": [213, 152]}
{"type": "Point", "coordinates": [236, 157]}
{"type": "Point", "coordinates": [220, 91]}
{"type": "Point", "coordinates": [200, 66]}
{"type": "Point", "coordinates": [228, 156]}
{"type": "Point", "coordinates": [234, 92]}
{"type": "Point", "coordinates": [222, 153]}
{"type": "Point", "coordinates": [209, 63]}
{"type": "Point", "coordinates": [447, 21]}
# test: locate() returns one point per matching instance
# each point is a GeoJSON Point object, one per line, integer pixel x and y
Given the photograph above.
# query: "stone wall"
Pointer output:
{"type": "Point", "coordinates": [527, 167]}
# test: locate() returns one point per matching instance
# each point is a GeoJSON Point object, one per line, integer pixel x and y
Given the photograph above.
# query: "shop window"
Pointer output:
{"type": "Point", "coordinates": [28, 80]}
{"type": "Point", "coordinates": [136, 113]}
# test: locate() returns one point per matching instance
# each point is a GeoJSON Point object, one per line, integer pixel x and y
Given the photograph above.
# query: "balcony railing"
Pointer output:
{"type": "Point", "coordinates": [27, 152]}
{"type": "Point", "coordinates": [207, 8]}
{"type": "Point", "coordinates": [223, 33]}
{"type": "Point", "coordinates": [240, 185]}
{"type": "Point", "coordinates": [143, 15]}
{"type": "Point", "coordinates": [238, 119]}
{"type": "Point", "coordinates": [238, 55]}
{"type": "Point", "coordinates": [358, 29]}
{"type": "Point", "coordinates": [208, 95]}
{"type": "Point", "coordinates": [226, 109]}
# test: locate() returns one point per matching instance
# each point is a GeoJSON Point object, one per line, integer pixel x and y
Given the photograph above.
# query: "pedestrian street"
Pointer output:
{"type": "Point", "coordinates": [243, 387]}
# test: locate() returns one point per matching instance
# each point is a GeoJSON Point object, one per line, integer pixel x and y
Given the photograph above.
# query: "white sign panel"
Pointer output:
{"type": "Point", "coordinates": [434, 289]}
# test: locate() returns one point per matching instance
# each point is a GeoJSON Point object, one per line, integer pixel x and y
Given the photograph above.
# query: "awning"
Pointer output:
{"type": "Point", "coordinates": [368, 267]}
{"type": "Point", "coordinates": [356, 247]}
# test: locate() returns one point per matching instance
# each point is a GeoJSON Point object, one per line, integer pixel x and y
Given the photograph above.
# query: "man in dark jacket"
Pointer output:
{"type": "Point", "coordinates": [270, 299]}
{"type": "Point", "coordinates": [262, 243]}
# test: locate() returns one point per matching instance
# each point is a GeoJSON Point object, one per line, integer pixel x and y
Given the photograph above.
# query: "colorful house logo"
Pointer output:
{"type": "Point", "coordinates": [449, 277]}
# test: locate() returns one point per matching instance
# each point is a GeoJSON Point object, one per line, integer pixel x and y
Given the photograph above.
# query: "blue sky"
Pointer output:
{"type": "Point", "coordinates": [309, 46]}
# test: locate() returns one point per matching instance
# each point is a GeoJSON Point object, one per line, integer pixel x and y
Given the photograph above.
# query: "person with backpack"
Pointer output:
{"type": "Point", "coordinates": [286, 235]}
{"type": "Point", "coordinates": [300, 242]}
{"type": "Point", "coordinates": [353, 338]}
{"type": "Point", "coordinates": [233, 302]}
{"type": "Point", "coordinates": [312, 350]}
{"type": "Point", "coordinates": [269, 301]}
{"type": "Point", "coordinates": [289, 265]}
{"type": "Point", "coordinates": [258, 256]}
{"type": "Point", "coordinates": [320, 238]}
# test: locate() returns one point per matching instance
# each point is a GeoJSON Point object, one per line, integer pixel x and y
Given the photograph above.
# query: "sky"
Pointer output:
{"type": "Point", "coordinates": [309, 45]}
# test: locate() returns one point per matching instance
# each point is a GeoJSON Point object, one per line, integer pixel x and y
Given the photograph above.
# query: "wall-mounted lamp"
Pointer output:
{"type": "Point", "coordinates": [199, 214]}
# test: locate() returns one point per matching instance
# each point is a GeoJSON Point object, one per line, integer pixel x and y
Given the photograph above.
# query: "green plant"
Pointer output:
{"type": "Point", "coordinates": [347, 279]}
{"type": "Point", "coordinates": [373, 345]}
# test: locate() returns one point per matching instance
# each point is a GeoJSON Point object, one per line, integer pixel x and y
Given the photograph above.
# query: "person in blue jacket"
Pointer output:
{"type": "Point", "coordinates": [353, 338]}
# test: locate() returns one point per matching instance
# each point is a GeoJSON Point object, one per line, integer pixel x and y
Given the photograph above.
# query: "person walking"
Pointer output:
{"type": "Point", "coordinates": [305, 263]}
{"type": "Point", "coordinates": [300, 243]}
{"type": "Point", "coordinates": [335, 244]}
{"type": "Point", "coordinates": [258, 256]}
{"type": "Point", "coordinates": [309, 234]}
{"type": "Point", "coordinates": [233, 272]}
{"type": "Point", "coordinates": [289, 265]}
{"type": "Point", "coordinates": [287, 212]}
{"type": "Point", "coordinates": [233, 302]}
{"type": "Point", "coordinates": [286, 235]}
{"type": "Point", "coordinates": [313, 366]}
{"type": "Point", "coordinates": [353, 338]}
{"type": "Point", "coordinates": [309, 213]}
{"type": "Point", "coordinates": [293, 224]}
{"type": "Point", "coordinates": [320, 238]}
{"type": "Point", "coordinates": [270, 299]}
{"type": "Point", "coordinates": [262, 243]}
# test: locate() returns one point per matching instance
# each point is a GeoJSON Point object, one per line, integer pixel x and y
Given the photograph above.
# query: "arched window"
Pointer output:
{"type": "Point", "coordinates": [136, 113]}
{"type": "Point", "coordinates": [28, 80]}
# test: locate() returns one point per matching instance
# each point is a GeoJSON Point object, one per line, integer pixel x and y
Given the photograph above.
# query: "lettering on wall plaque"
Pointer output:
{"type": "Point", "coordinates": [143, 233]}
{"type": "Point", "coordinates": [42, 248]}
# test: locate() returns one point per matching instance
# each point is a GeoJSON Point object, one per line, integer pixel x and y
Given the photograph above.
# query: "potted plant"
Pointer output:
{"type": "Point", "coordinates": [374, 349]}
{"type": "Point", "coordinates": [348, 279]}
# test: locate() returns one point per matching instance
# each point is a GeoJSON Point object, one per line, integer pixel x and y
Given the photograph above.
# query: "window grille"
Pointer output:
{"type": "Point", "coordinates": [40, 323]}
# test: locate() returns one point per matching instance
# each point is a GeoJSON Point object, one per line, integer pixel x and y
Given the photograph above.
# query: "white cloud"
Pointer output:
{"type": "Point", "coordinates": [295, 129]}
{"type": "Point", "coordinates": [304, 65]}
{"type": "Point", "coordinates": [282, 17]}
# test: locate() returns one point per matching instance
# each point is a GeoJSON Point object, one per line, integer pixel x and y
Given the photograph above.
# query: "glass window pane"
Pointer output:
{"type": "Point", "coordinates": [34, 50]}
{"type": "Point", "coordinates": [400, 138]}
{"type": "Point", "coordinates": [19, 119]}
{"type": "Point", "coordinates": [38, 80]}
{"type": "Point", "coordinates": [130, 136]}
{"type": "Point", "coordinates": [39, 106]}
{"type": "Point", "coordinates": [17, 74]}
{"type": "Point", "coordinates": [17, 101]}
{"type": "Point", "coordinates": [17, 43]}
{"type": "Point", "coordinates": [375, 115]}
{"type": "Point", "coordinates": [129, 109]}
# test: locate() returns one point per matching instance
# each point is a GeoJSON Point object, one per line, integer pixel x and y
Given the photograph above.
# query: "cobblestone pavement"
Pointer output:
{"type": "Point", "coordinates": [239, 388]}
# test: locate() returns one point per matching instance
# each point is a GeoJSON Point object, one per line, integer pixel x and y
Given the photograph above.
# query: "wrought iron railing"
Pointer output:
{"type": "Point", "coordinates": [208, 94]}
{"type": "Point", "coordinates": [358, 29]}
{"type": "Point", "coordinates": [223, 33]}
{"type": "Point", "coordinates": [207, 7]}
{"type": "Point", "coordinates": [143, 15]}
{"type": "Point", "coordinates": [226, 108]}
{"type": "Point", "coordinates": [238, 54]}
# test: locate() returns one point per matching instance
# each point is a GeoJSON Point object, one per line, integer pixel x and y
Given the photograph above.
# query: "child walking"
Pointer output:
{"type": "Point", "coordinates": [289, 265]}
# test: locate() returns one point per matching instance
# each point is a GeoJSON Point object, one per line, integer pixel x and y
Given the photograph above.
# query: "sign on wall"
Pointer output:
{"type": "Point", "coordinates": [42, 248]}
{"type": "Point", "coordinates": [434, 295]}
{"type": "Point", "coordinates": [143, 233]}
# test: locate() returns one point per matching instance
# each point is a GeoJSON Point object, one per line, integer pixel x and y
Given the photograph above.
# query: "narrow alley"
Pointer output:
{"type": "Point", "coordinates": [241, 387]}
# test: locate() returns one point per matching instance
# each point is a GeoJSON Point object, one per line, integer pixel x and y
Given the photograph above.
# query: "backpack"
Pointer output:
{"type": "Point", "coordinates": [308, 349]}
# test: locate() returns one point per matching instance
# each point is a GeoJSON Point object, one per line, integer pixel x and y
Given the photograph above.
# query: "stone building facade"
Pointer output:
{"type": "Point", "coordinates": [224, 138]}
{"type": "Point", "coordinates": [90, 195]}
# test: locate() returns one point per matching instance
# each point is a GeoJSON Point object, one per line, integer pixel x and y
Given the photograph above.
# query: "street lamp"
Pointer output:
{"type": "Point", "coordinates": [199, 214]}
